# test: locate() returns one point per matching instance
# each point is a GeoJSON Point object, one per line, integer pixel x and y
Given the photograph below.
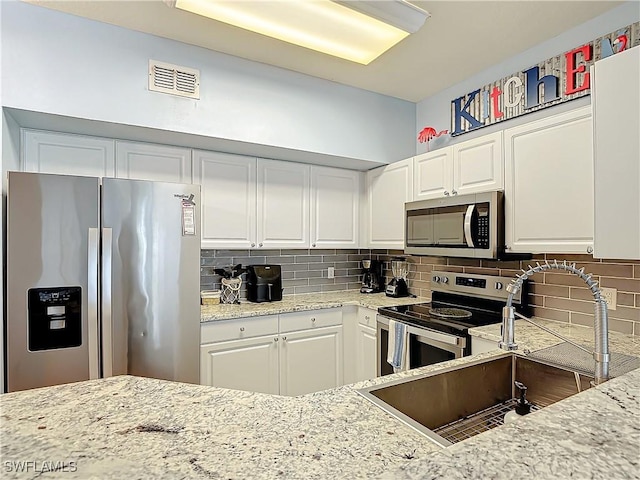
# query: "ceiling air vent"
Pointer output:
{"type": "Point", "coordinates": [173, 79]}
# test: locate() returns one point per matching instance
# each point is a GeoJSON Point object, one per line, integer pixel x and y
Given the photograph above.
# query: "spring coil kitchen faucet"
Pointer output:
{"type": "Point", "coordinates": [601, 323]}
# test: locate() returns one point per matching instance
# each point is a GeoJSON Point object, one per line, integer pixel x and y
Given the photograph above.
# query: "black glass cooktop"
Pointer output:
{"type": "Point", "coordinates": [420, 315]}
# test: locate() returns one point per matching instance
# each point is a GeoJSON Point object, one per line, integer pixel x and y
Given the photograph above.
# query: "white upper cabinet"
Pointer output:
{"type": "Point", "coordinates": [549, 185]}
{"type": "Point", "coordinates": [158, 163]}
{"type": "Point", "coordinates": [228, 199]}
{"type": "Point", "coordinates": [283, 204]}
{"type": "Point", "coordinates": [469, 167]}
{"type": "Point", "coordinates": [615, 99]}
{"type": "Point", "coordinates": [478, 165]}
{"type": "Point", "coordinates": [433, 174]}
{"type": "Point", "coordinates": [63, 154]}
{"type": "Point", "coordinates": [388, 189]}
{"type": "Point", "coordinates": [335, 203]}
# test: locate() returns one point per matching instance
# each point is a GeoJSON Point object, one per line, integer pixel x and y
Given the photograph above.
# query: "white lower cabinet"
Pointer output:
{"type": "Point", "coordinates": [366, 345]}
{"type": "Point", "coordinates": [250, 364]}
{"type": "Point", "coordinates": [290, 354]}
{"type": "Point", "coordinates": [311, 360]}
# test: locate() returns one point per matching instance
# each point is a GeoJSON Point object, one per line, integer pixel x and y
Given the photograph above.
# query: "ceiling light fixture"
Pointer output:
{"type": "Point", "coordinates": [359, 31]}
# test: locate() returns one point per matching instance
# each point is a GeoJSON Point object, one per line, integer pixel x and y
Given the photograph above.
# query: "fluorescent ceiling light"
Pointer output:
{"type": "Point", "coordinates": [334, 28]}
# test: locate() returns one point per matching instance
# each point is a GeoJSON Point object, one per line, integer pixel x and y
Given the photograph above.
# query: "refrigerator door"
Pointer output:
{"type": "Point", "coordinates": [151, 279]}
{"type": "Point", "coordinates": [52, 273]}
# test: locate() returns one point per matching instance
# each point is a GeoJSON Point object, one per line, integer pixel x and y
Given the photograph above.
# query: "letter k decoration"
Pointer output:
{"type": "Point", "coordinates": [429, 133]}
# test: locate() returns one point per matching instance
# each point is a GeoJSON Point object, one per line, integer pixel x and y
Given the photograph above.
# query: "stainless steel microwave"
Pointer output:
{"type": "Point", "coordinates": [469, 226]}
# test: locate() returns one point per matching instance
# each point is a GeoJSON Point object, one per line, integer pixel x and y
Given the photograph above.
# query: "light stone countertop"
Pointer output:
{"type": "Point", "coordinates": [307, 301]}
{"type": "Point", "coordinates": [143, 428]}
{"type": "Point", "coordinates": [530, 337]}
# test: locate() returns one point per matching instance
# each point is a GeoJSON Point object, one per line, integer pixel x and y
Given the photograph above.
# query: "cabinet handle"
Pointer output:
{"type": "Point", "coordinates": [275, 339]}
{"type": "Point", "coordinates": [507, 247]}
{"type": "Point", "coordinates": [284, 339]}
{"type": "Point", "coordinates": [260, 244]}
{"type": "Point", "coordinates": [253, 244]}
{"type": "Point", "coordinates": [313, 319]}
{"type": "Point", "coordinates": [242, 329]}
{"type": "Point", "coordinates": [446, 194]}
{"type": "Point", "coordinates": [454, 192]}
{"type": "Point", "coordinates": [366, 317]}
{"type": "Point", "coordinates": [589, 249]}
{"type": "Point", "coordinates": [313, 245]}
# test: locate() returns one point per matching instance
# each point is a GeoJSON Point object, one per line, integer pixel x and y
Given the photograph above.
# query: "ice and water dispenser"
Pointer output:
{"type": "Point", "coordinates": [54, 318]}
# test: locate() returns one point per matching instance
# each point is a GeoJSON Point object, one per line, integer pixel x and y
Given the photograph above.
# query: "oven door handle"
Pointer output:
{"type": "Point", "coordinates": [468, 218]}
{"type": "Point", "coordinates": [429, 334]}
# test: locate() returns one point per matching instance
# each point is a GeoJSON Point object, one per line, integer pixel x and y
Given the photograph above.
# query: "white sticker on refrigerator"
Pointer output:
{"type": "Point", "coordinates": [188, 218]}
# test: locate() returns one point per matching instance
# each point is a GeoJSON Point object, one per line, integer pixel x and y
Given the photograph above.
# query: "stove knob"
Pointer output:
{"type": "Point", "coordinates": [445, 280]}
{"type": "Point", "coordinates": [436, 279]}
{"type": "Point", "coordinates": [499, 285]}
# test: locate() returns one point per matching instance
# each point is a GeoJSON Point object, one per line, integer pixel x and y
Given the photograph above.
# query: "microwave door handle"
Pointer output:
{"type": "Point", "coordinates": [468, 216]}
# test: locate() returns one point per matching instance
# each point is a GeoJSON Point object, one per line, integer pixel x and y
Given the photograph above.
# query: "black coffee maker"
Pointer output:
{"type": "Point", "coordinates": [372, 280]}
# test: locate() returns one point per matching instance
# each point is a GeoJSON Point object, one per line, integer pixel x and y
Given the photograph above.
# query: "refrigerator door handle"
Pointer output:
{"type": "Point", "coordinates": [92, 307]}
{"type": "Point", "coordinates": [107, 321]}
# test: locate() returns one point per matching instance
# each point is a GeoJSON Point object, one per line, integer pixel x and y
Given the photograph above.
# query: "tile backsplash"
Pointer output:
{"type": "Point", "coordinates": [303, 270]}
{"type": "Point", "coordinates": [553, 295]}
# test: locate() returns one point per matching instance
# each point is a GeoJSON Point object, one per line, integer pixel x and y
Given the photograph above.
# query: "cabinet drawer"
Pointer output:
{"type": "Point", "coordinates": [239, 328]}
{"type": "Point", "coordinates": [367, 317]}
{"type": "Point", "coordinates": [290, 322]}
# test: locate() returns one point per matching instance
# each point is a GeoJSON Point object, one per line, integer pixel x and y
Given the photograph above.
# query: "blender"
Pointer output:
{"type": "Point", "coordinates": [397, 287]}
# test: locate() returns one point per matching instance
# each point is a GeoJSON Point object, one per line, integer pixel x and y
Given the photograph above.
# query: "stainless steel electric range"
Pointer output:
{"type": "Point", "coordinates": [439, 330]}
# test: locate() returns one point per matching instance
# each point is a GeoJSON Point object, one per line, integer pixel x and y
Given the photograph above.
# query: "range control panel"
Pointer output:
{"type": "Point", "coordinates": [486, 286]}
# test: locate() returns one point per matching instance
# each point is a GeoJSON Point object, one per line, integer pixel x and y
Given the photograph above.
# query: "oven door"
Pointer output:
{"type": "Point", "coordinates": [426, 347]}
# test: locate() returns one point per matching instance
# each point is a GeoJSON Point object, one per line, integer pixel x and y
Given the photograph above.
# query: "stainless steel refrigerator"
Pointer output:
{"type": "Point", "coordinates": [102, 279]}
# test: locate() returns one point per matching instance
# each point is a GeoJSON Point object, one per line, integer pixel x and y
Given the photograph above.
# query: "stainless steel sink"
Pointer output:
{"type": "Point", "coordinates": [455, 403]}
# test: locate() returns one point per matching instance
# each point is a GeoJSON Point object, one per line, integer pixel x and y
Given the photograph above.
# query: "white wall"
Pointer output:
{"type": "Point", "coordinates": [435, 111]}
{"type": "Point", "coordinates": [65, 65]}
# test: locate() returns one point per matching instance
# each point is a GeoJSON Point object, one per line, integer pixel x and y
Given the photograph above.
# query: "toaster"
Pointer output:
{"type": "Point", "coordinates": [264, 283]}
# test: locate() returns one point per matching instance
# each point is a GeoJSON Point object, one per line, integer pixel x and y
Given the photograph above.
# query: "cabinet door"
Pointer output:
{"type": "Point", "coordinates": [478, 165]}
{"type": "Point", "coordinates": [366, 352]}
{"type": "Point", "coordinates": [283, 204]}
{"type": "Point", "coordinates": [335, 200]}
{"type": "Point", "coordinates": [549, 185]}
{"type": "Point", "coordinates": [250, 364]}
{"type": "Point", "coordinates": [311, 360]}
{"type": "Point", "coordinates": [50, 152]}
{"type": "Point", "coordinates": [158, 163]}
{"type": "Point", "coordinates": [388, 189]}
{"type": "Point", "coordinates": [228, 199]}
{"type": "Point", "coordinates": [432, 174]}
{"type": "Point", "coordinates": [615, 99]}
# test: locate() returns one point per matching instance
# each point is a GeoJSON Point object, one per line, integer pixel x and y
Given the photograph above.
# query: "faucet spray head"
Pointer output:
{"type": "Point", "coordinates": [508, 328]}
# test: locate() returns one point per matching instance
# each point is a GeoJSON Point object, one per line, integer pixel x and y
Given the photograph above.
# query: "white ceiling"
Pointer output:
{"type": "Point", "coordinates": [460, 38]}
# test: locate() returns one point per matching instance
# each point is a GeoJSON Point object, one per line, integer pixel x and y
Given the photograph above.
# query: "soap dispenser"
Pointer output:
{"type": "Point", "coordinates": [522, 407]}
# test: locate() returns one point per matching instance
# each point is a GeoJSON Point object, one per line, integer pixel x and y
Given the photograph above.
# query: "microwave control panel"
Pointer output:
{"type": "Point", "coordinates": [482, 233]}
